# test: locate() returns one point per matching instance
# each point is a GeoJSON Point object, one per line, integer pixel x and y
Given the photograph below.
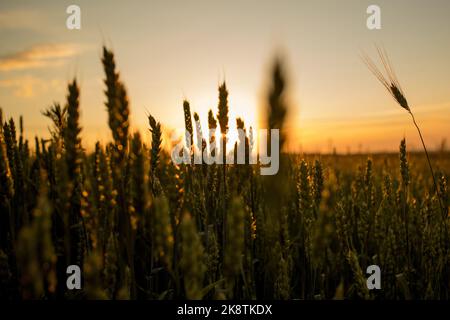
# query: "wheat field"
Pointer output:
{"type": "Point", "coordinates": [142, 227]}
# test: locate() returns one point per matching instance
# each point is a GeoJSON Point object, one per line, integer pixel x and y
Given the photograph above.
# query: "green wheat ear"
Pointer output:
{"type": "Point", "coordinates": [234, 244]}
{"type": "Point", "coordinates": [162, 232]}
{"type": "Point", "coordinates": [192, 259]}
{"type": "Point", "coordinates": [404, 168]}
{"type": "Point", "coordinates": [36, 256]}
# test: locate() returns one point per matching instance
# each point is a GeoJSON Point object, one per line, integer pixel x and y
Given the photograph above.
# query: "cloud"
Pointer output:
{"type": "Point", "coordinates": [38, 56]}
{"type": "Point", "coordinates": [29, 86]}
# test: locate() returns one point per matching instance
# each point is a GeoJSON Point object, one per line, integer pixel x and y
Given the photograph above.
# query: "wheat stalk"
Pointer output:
{"type": "Point", "coordinates": [390, 81]}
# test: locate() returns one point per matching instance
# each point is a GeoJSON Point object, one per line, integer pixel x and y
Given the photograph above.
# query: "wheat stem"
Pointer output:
{"type": "Point", "coordinates": [429, 164]}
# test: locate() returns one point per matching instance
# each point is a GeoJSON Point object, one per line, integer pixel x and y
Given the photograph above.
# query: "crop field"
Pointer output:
{"type": "Point", "coordinates": [142, 227]}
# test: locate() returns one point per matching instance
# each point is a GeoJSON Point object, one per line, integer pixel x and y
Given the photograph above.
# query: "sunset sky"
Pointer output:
{"type": "Point", "coordinates": [169, 50]}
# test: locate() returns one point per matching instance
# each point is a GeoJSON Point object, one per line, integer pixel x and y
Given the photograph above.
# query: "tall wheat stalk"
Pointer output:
{"type": "Point", "coordinates": [392, 85]}
{"type": "Point", "coordinates": [222, 117]}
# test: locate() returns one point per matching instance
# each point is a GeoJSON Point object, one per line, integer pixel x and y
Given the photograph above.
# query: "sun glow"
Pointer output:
{"type": "Point", "coordinates": [240, 105]}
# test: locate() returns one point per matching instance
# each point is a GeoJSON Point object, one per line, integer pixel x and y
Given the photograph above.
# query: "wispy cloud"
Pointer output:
{"type": "Point", "coordinates": [38, 56]}
{"type": "Point", "coordinates": [30, 86]}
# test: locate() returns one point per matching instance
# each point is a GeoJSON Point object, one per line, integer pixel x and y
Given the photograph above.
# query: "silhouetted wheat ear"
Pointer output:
{"type": "Point", "coordinates": [198, 129]}
{"type": "Point", "coordinates": [155, 129]}
{"type": "Point", "coordinates": [117, 103]}
{"type": "Point", "coordinates": [188, 123]}
{"type": "Point", "coordinates": [240, 125]}
{"type": "Point", "coordinates": [222, 114]}
{"type": "Point", "coordinates": [58, 116]}
{"type": "Point", "coordinates": [391, 83]}
{"type": "Point", "coordinates": [277, 108]}
{"type": "Point", "coordinates": [73, 130]}
{"type": "Point", "coordinates": [389, 79]}
{"type": "Point", "coordinates": [212, 126]}
{"type": "Point", "coordinates": [212, 122]}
